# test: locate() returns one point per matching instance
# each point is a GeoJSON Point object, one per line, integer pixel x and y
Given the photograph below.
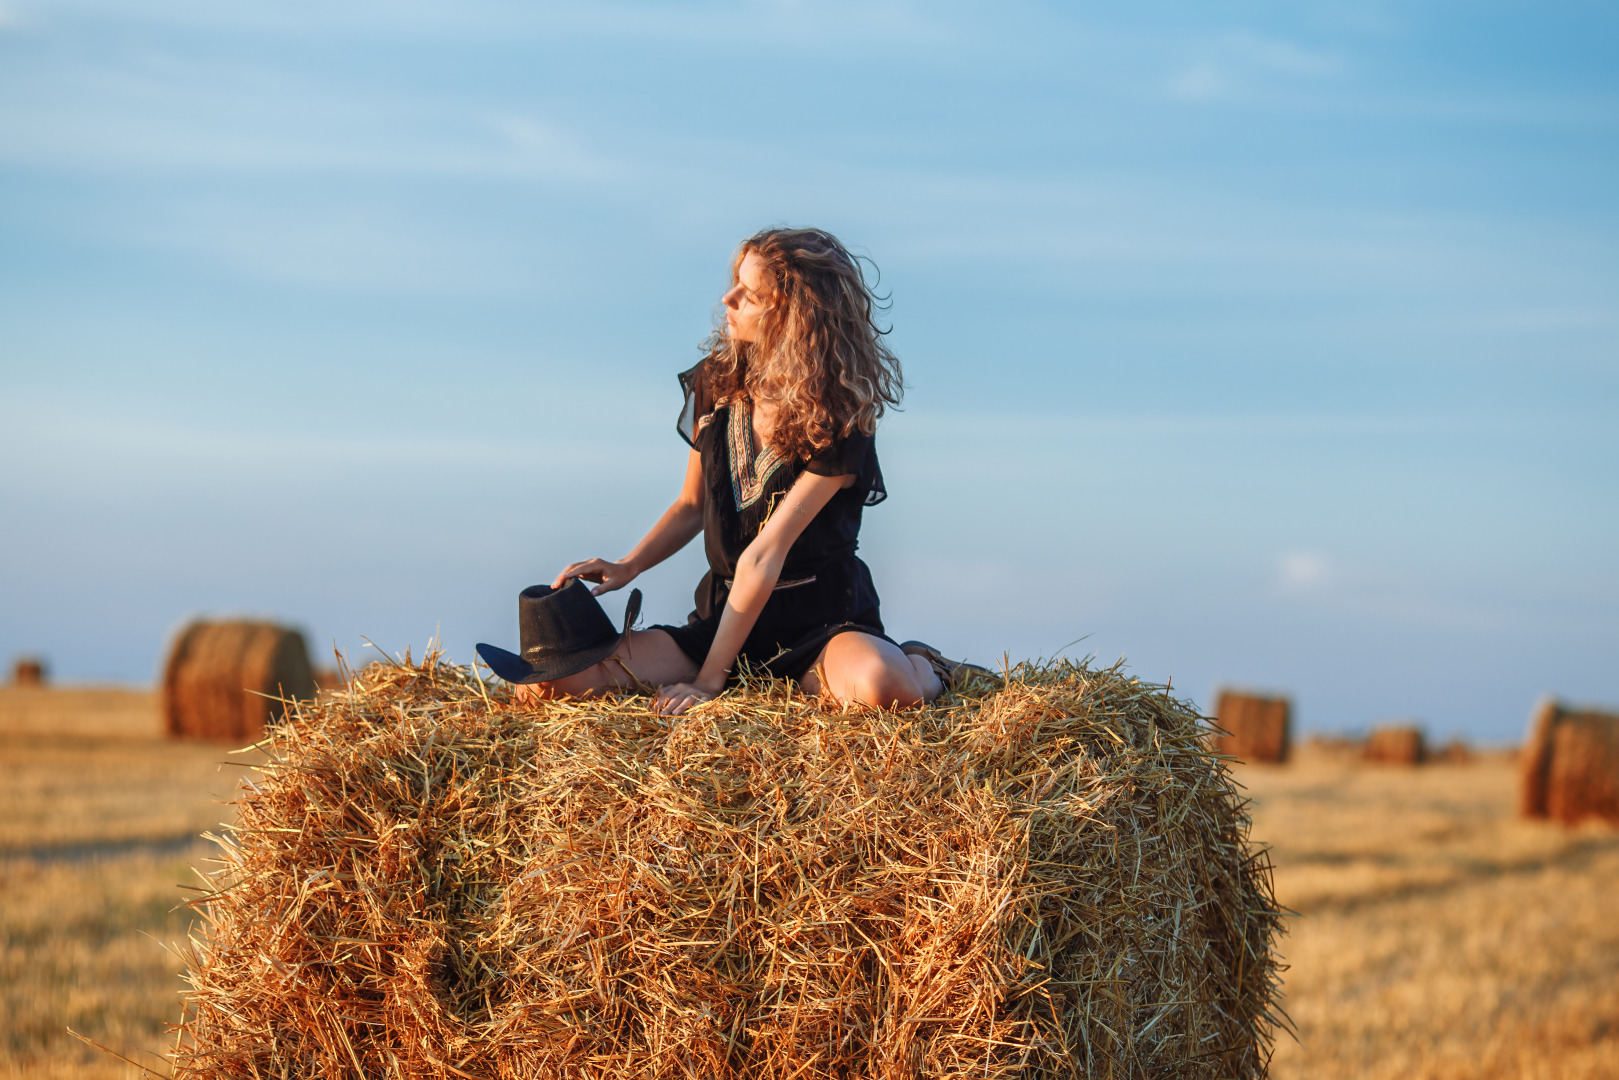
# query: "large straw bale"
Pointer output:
{"type": "Point", "coordinates": [430, 881]}
{"type": "Point", "coordinates": [230, 680]}
{"type": "Point", "coordinates": [1395, 744]}
{"type": "Point", "coordinates": [1254, 728]}
{"type": "Point", "coordinates": [1571, 764]}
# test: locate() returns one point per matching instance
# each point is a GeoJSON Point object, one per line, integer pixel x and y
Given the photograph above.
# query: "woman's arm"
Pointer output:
{"type": "Point", "coordinates": [674, 530]}
{"type": "Point", "coordinates": [757, 572]}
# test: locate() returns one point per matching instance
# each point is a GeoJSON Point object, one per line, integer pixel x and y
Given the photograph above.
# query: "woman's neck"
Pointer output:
{"type": "Point", "coordinates": [764, 423]}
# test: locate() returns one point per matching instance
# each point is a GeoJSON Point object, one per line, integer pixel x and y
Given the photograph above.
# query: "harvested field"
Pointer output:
{"type": "Point", "coordinates": [80, 711]}
{"type": "Point", "coordinates": [1052, 875]}
{"type": "Point", "coordinates": [1442, 937]}
{"type": "Point", "coordinates": [80, 948]}
{"type": "Point", "coordinates": [99, 824]}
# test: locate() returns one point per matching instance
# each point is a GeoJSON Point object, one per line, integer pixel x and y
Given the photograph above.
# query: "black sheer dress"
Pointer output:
{"type": "Point", "coordinates": [824, 588]}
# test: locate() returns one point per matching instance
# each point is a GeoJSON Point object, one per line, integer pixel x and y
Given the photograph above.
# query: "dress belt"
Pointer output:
{"type": "Point", "coordinates": [780, 585]}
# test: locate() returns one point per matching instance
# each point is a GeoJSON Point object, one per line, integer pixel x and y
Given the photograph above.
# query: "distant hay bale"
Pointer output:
{"type": "Point", "coordinates": [223, 679]}
{"type": "Point", "coordinates": [1454, 752]}
{"type": "Point", "coordinates": [1570, 764]}
{"type": "Point", "coordinates": [29, 671]}
{"type": "Point", "coordinates": [1535, 759]}
{"type": "Point", "coordinates": [1255, 727]}
{"type": "Point", "coordinates": [429, 881]}
{"type": "Point", "coordinates": [1395, 744]}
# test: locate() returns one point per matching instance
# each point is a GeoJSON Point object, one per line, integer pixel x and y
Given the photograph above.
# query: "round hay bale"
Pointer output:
{"type": "Point", "coordinates": [29, 671]}
{"type": "Point", "coordinates": [1254, 728]}
{"type": "Point", "coordinates": [1535, 759]}
{"type": "Point", "coordinates": [427, 880]}
{"type": "Point", "coordinates": [224, 680]}
{"type": "Point", "coordinates": [1394, 744]}
{"type": "Point", "coordinates": [1571, 764]}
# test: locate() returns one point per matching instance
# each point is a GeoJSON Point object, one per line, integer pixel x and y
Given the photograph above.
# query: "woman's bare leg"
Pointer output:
{"type": "Point", "coordinates": [650, 656]}
{"type": "Point", "coordinates": [863, 669]}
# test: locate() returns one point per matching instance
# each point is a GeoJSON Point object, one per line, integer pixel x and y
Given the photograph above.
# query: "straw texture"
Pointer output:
{"type": "Point", "coordinates": [427, 881]}
{"type": "Point", "coordinates": [224, 680]}
{"type": "Point", "coordinates": [1253, 728]}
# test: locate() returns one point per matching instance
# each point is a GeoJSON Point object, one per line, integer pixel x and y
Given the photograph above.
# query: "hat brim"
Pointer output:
{"type": "Point", "coordinates": [515, 669]}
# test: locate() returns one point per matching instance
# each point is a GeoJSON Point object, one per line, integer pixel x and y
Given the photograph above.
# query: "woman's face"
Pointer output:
{"type": "Point", "coordinates": [745, 303]}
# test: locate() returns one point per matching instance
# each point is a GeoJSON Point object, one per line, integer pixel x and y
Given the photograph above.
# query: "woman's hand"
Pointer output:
{"type": "Point", "coordinates": [676, 698]}
{"type": "Point", "coordinates": [611, 575]}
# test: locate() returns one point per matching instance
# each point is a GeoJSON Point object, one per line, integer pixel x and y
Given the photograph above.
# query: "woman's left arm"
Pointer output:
{"type": "Point", "coordinates": [757, 572]}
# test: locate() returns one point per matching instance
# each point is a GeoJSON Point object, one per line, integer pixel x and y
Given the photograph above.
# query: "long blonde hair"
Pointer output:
{"type": "Point", "coordinates": [820, 355]}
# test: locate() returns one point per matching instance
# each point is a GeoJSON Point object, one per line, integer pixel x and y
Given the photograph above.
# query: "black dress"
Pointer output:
{"type": "Point", "coordinates": [824, 588]}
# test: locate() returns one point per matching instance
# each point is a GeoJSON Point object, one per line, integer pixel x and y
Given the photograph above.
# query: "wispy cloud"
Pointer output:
{"type": "Point", "coordinates": [1305, 572]}
{"type": "Point", "coordinates": [1248, 64]}
{"type": "Point", "coordinates": [864, 24]}
{"type": "Point", "coordinates": [225, 127]}
{"type": "Point", "coordinates": [1315, 577]}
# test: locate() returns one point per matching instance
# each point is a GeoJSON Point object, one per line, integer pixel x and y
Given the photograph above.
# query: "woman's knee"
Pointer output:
{"type": "Point", "coordinates": [861, 674]}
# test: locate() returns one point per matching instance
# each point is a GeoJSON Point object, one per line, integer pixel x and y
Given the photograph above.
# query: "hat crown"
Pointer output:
{"type": "Point", "coordinates": [561, 631]}
{"type": "Point", "coordinates": [552, 622]}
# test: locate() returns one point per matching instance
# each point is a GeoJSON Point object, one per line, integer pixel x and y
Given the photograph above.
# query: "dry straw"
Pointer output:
{"type": "Point", "coordinates": [1054, 879]}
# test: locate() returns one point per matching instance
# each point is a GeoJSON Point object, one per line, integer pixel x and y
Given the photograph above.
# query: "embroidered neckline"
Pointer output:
{"type": "Point", "coordinates": [749, 472]}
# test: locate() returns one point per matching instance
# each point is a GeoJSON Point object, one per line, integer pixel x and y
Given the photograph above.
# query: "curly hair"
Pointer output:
{"type": "Point", "coordinates": [820, 355]}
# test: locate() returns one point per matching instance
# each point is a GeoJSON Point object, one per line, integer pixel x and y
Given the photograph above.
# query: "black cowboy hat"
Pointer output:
{"type": "Point", "coordinates": [562, 632]}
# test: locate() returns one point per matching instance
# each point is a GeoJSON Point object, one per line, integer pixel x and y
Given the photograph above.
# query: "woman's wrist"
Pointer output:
{"type": "Point", "coordinates": [709, 683]}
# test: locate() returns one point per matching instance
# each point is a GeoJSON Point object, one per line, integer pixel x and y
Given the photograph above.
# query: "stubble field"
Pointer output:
{"type": "Point", "coordinates": [1438, 936]}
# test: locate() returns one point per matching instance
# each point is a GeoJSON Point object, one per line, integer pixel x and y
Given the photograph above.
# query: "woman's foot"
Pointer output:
{"type": "Point", "coordinates": [955, 675]}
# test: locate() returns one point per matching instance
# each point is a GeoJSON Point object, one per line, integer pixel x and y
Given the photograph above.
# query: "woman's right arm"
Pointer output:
{"type": "Point", "coordinates": [674, 530]}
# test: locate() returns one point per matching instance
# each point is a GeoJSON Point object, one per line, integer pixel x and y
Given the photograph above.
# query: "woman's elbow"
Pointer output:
{"type": "Point", "coordinates": [759, 564]}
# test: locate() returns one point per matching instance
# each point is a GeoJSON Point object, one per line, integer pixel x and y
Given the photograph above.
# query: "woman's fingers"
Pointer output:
{"type": "Point", "coordinates": [590, 570]}
{"type": "Point", "coordinates": [677, 698]}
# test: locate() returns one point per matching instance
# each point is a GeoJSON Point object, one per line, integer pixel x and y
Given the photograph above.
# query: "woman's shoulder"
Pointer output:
{"type": "Point", "coordinates": [852, 454]}
{"type": "Point", "coordinates": [697, 406]}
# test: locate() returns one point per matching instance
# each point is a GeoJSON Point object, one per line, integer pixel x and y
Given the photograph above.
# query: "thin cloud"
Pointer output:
{"type": "Point", "coordinates": [851, 23]}
{"type": "Point", "coordinates": [360, 248]}
{"type": "Point", "coordinates": [1305, 572]}
{"type": "Point", "coordinates": [1246, 64]}
{"type": "Point", "coordinates": [1317, 578]}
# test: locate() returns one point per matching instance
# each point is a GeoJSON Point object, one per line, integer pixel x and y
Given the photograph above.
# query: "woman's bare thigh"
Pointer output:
{"type": "Point", "coordinates": [649, 658]}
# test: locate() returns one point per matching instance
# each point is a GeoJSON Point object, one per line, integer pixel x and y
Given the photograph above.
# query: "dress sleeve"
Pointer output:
{"type": "Point", "coordinates": [854, 455]}
{"type": "Point", "coordinates": [697, 403]}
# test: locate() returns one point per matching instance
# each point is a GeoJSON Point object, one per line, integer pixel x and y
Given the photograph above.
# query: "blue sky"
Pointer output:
{"type": "Point", "coordinates": [1272, 345]}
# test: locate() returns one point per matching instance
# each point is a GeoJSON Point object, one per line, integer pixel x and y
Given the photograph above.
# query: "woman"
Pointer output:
{"type": "Point", "coordinates": [780, 416]}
